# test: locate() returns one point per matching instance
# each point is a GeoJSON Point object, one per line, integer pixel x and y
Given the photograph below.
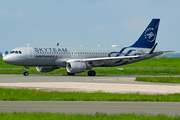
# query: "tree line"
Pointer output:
{"type": "Point", "coordinates": [1, 55]}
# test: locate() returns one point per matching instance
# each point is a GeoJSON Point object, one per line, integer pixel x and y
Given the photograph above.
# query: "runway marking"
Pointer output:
{"type": "Point", "coordinates": [87, 106]}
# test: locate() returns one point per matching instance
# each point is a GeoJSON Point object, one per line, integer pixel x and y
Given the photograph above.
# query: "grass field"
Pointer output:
{"type": "Point", "coordinates": [102, 71]}
{"type": "Point", "coordinates": [97, 116]}
{"type": "Point", "coordinates": [7, 94]}
{"type": "Point", "coordinates": [154, 66]}
{"type": "Point", "coordinates": [159, 79]}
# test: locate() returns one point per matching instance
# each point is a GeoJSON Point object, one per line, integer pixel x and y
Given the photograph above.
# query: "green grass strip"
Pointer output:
{"type": "Point", "coordinates": [97, 116]}
{"type": "Point", "coordinates": [7, 94]}
{"type": "Point", "coordinates": [102, 71]}
{"type": "Point", "coordinates": [159, 79]}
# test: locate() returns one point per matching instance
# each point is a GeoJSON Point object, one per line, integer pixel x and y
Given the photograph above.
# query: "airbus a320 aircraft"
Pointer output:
{"type": "Point", "coordinates": [80, 59]}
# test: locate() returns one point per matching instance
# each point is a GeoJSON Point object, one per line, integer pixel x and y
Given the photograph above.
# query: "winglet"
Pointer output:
{"type": "Point", "coordinates": [152, 50]}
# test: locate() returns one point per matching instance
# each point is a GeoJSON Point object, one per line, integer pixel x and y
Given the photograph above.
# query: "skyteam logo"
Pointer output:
{"type": "Point", "coordinates": [50, 50]}
{"type": "Point", "coordinates": [149, 34]}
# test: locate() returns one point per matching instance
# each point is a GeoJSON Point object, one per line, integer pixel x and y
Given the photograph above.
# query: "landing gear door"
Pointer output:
{"type": "Point", "coordinates": [30, 52]}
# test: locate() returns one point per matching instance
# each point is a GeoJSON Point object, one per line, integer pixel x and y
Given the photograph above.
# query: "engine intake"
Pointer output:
{"type": "Point", "coordinates": [76, 67]}
{"type": "Point", "coordinates": [46, 68]}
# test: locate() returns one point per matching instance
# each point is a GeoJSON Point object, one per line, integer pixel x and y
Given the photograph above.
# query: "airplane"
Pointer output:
{"type": "Point", "coordinates": [80, 59]}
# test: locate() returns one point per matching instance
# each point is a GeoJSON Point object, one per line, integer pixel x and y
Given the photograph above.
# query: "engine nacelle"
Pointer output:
{"type": "Point", "coordinates": [76, 67]}
{"type": "Point", "coordinates": [46, 68]}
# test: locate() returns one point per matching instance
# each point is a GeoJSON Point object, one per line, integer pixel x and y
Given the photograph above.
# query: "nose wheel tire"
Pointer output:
{"type": "Point", "coordinates": [91, 73]}
{"type": "Point", "coordinates": [25, 73]}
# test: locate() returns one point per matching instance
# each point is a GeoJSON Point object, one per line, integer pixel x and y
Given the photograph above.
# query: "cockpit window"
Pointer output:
{"type": "Point", "coordinates": [11, 52]}
{"type": "Point", "coordinates": [16, 52]}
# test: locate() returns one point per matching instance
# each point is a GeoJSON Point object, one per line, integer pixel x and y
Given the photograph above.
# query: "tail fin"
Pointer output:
{"type": "Point", "coordinates": [148, 37]}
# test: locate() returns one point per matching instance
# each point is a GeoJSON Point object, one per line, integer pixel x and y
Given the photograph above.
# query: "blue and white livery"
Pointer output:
{"type": "Point", "coordinates": [80, 59]}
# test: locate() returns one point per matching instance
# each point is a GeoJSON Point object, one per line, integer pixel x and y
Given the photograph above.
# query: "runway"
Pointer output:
{"type": "Point", "coordinates": [114, 84]}
{"type": "Point", "coordinates": [89, 107]}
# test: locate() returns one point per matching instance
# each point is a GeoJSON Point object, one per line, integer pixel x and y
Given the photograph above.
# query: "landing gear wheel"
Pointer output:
{"type": "Point", "coordinates": [91, 73]}
{"type": "Point", "coordinates": [70, 74]}
{"type": "Point", "coordinates": [26, 73]}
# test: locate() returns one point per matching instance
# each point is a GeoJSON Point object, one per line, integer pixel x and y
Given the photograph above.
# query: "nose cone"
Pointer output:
{"type": "Point", "coordinates": [7, 59]}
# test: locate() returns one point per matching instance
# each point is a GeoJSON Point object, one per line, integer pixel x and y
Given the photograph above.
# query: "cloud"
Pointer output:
{"type": "Point", "coordinates": [99, 28]}
{"type": "Point", "coordinates": [5, 15]}
{"type": "Point", "coordinates": [20, 15]}
{"type": "Point", "coordinates": [3, 12]}
{"type": "Point", "coordinates": [137, 23]}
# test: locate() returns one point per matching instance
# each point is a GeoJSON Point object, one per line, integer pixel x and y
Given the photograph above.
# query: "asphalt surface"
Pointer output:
{"type": "Point", "coordinates": [116, 84]}
{"type": "Point", "coordinates": [89, 107]}
{"type": "Point", "coordinates": [121, 84]}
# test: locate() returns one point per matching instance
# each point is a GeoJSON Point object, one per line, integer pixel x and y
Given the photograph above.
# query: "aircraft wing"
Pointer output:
{"type": "Point", "coordinates": [101, 59]}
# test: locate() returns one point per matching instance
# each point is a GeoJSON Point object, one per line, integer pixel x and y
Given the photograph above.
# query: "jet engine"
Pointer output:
{"type": "Point", "coordinates": [76, 67]}
{"type": "Point", "coordinates": [46, 68]}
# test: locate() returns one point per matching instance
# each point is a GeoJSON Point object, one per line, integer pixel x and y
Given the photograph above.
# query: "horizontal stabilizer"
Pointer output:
{"type": "Point", "coordinates": [155, 53]}
{"type": "Point", "coordinates": [164, 51]}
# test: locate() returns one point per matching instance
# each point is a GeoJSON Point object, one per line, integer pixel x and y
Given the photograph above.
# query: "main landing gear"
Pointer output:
{"type": "Point", "coordinates": [91, 73]}
{"type": "Point", "coordinates": [26, 71]}
{"type": "Point", "coordinates": [70, 74]}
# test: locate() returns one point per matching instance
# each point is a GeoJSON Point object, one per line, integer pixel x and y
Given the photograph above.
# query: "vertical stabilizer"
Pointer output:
{"type": "Point", "coordinates": [148, 37]}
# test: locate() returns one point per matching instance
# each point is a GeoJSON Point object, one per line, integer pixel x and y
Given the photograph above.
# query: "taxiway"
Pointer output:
{"type": "Point", "coordinates": [117, 84]}
{"type": "Point", "coordinates": [91, 107]}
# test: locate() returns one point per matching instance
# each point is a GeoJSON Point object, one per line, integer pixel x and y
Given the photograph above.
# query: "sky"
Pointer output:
{"type": "Point", "coordinates": [86, 23]}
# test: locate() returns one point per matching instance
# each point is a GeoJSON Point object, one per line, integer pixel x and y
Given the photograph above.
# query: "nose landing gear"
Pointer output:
{"type": "Point", "coordinates": [26, 71]}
